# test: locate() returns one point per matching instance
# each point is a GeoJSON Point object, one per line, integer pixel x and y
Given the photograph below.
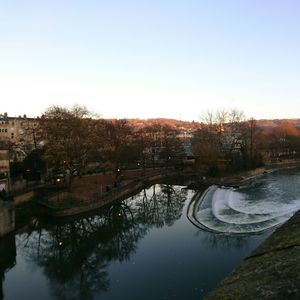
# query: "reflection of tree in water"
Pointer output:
{"type": "Point", "coordinates": [7, 258]}
{"type": "Point", "coordinates": [159, 206]}
{"type": "Point", "coordinates": [75, 254]}
{"type": "Point", "coordinates": [225, 242]}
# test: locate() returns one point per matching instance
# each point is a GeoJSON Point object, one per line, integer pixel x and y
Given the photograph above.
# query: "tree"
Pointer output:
{"type": "Point", "coordinates": [119, 146]}
{"type": "Point", "coordinates": [34, 165]}
{"type": "Point", "coordinates": [225, 140]}
{"type": "Point", "coordinates": [206, 148]}
{"type": "Point", "coordinates": [282, 141]}
{"type": "Point", "coordinates": [172, 150]}
{"type": "Point", "coordinates": [161, 143]}
{"type": "Point", "coordinates": [251, 144]}
{"type": "Point", "coordinates": [68, 137]}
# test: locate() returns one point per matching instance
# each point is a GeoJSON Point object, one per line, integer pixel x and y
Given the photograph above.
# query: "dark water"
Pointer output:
{"type": "Point", "coordinates": [143, 248]}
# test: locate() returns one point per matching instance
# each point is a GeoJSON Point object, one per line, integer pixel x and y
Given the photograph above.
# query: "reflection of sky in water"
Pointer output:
{"type": "Point", "coordinates": [267, 201]}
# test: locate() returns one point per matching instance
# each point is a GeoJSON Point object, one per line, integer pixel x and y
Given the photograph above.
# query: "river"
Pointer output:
{"type": "Point", "coordinates": [144, 247]}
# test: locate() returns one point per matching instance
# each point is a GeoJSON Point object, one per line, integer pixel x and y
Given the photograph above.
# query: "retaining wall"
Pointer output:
{"type": "Point", "coordinates": [270, 272]}
{"type": "Point", "coordinates": [116, 194]}
{"type": "Point", "coordinates": [7, 218]}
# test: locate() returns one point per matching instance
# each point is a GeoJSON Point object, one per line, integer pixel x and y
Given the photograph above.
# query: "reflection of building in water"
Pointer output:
{"type": "Point", "coordinates": [7, 258]}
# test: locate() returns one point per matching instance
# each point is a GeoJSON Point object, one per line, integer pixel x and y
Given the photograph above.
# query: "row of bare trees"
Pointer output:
{"type": "Point", "coordinates": [226, 140]}
{"type": "Point", "coordinates": [229, 141]}
{"type": "Point", "coordinates": [75, 139]}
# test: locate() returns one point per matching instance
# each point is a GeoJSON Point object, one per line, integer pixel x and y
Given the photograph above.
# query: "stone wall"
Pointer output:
{"type": "Point", "coordinates": [270, 272]}
{"type": "Point", "coordinates": [117, 194]}
{"type": "Point", "coordinates": [7, 218]}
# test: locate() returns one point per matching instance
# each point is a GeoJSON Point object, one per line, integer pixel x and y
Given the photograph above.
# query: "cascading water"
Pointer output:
{"type": "Point", "coordinates": [268, 201]}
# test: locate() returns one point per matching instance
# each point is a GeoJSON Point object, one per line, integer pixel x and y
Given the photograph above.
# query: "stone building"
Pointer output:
{"type": "Point", "coordinates": [20, 132]}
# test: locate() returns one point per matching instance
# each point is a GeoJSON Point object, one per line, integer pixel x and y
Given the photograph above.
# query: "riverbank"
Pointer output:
{"type": "Point", "coordinates": [239, 178]}
{"type": "Point", "coordinates": [89, 193]}
{"type": "Point", "coordinates": [270, 272]}
{"type": "Point", "coordinates": [235, 179]}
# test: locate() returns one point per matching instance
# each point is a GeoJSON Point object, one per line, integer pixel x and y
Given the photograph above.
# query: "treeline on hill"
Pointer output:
{"type": "Point", "coordinates": [228, 141]}
{"type": "Point", "coordinates": [74, 140]}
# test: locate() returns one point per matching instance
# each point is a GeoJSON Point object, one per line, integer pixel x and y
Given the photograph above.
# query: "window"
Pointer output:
{"type": "Point", "coordinates": [12, 135]}
{"type": "Point", "coordinates": [6, 130]}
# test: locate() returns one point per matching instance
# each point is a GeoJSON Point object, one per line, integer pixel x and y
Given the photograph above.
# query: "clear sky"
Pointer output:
{"type": "Point", "coordinates": [151, 58]}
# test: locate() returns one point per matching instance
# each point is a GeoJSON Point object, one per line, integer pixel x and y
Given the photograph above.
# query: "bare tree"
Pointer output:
{"type": "Point", "coordinates": [225, 139]}
{"type": "Point", "coordinates": [68, 137]}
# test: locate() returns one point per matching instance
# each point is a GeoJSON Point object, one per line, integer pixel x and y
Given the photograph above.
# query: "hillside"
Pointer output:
{"type": "Point", "coordinates": [277, 122]}
{"type": "Point", "coordinates": [192, 126]}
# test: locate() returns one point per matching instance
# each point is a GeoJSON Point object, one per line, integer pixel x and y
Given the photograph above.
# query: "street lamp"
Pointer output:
{"type": "Point", "coordinates": [57, 182]}
{"type": "Point", "coordinates": [118, 173]}
{"type": "Point", "coordinates": [138, 168]}
{"type": "Point", "coordinates": [27, 176]}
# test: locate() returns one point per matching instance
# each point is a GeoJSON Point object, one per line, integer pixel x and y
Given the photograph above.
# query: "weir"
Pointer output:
{"type": "Point", "coordinates": [272, 200]}
{"type": "Point", "coordinates": [265, 203]}
{"type": "Point", "coordinates": [7, 217]}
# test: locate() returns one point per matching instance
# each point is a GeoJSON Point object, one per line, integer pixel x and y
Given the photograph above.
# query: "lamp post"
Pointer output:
{"type": "Point", "coordinates": [27, 176]}
{"type": "Point", "coordinates": [118, 177]}
{"type": "Point", "coordinates": [139, 169]}
{"type": "Point", "coordinates": [57, 182]}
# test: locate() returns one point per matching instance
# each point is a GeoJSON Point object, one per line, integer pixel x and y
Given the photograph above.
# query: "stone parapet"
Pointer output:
{"type": "Point", "coordinates": [270, 272]}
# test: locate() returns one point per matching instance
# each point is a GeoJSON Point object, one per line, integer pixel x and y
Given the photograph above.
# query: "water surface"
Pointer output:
{"type": "Point", "coordinates": [264, 203]}
{"type": "Point", "coordinates": [142, 248]}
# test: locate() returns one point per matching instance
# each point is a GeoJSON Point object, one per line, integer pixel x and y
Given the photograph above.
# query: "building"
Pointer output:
{"type": "Point", "coordinates": [20, 132]}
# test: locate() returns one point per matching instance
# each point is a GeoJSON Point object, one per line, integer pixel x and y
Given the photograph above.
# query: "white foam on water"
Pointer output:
{"type": "Point", "coordinates": [206, 218]}
{"type": "Point", "coordinates": [262, 206]}
{"type": "Point", "coordinates": [223, 204]}
{"type": "Point", "coordinates": [227, 210]}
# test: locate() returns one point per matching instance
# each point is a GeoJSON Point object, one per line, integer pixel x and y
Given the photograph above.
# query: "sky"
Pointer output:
{"type": "Point", "coordinates": [148, 59]}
